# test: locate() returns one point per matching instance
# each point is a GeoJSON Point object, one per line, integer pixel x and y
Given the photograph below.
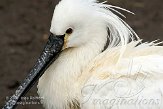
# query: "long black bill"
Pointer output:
{"type": "Point", "coordinates": [49, 54]}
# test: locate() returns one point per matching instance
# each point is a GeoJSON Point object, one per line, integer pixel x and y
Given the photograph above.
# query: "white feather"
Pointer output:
{"type": "Point", "coordinates": [137, 77]}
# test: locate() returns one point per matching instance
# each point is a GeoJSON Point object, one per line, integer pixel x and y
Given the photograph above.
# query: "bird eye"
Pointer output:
{"type": "Point", "coordinates": [69, 31]}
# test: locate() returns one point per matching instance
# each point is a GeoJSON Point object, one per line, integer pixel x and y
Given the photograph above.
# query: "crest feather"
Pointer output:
{"type": "Point", "coordinates": [120, 32]}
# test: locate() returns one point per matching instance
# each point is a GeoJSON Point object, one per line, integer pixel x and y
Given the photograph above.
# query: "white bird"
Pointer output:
{"type": "Point", "coordinates": [127, 74]}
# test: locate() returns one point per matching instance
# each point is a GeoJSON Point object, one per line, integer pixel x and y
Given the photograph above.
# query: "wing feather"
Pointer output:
{"type": "Point", "coordinates": [135, 78]}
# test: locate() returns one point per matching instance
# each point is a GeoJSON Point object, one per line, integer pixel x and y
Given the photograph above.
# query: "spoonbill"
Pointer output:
{"type": "Point", "coordinates": [101, 63]}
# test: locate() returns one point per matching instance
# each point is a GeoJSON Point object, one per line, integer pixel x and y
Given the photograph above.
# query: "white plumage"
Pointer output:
{"type": "Point", "coordinates": [128, 74]}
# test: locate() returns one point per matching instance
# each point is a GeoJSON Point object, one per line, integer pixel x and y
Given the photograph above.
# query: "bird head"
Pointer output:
{"type": "Point", "coordinates": [77, 21]}
{"type": "Point", "coordinates": [81, 21]}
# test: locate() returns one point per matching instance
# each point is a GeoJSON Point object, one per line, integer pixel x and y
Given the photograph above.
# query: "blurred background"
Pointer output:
{"type": "Point", "coordinates": [24, 29]}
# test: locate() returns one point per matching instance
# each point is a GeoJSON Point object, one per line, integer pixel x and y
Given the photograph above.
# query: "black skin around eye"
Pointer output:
{"type": "Point", "coordinates": [69, 31]}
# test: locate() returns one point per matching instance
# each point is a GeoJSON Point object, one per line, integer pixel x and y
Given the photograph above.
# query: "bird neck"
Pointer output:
{"type": "Point", "coordinates": [57, 85]}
